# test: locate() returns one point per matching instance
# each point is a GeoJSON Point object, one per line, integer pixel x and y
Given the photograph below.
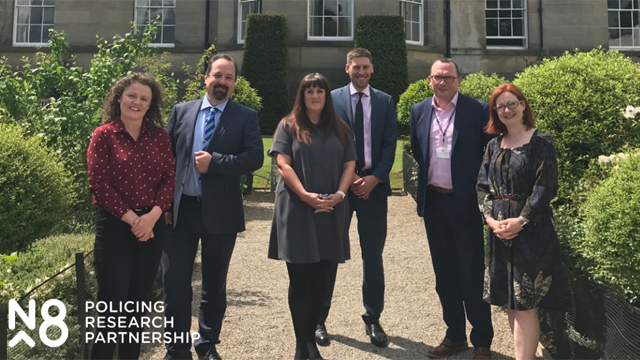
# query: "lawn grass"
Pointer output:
{"type": "Point", "coordinates": [260, 181]}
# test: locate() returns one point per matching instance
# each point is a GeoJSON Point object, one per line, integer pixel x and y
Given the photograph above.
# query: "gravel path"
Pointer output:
{"type": "Point", "coordinates": [258, 324]}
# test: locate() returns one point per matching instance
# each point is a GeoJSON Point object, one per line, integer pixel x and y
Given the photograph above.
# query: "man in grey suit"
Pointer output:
{"type": "Point", "coordinates": [371, 114]}
{"type": "Point", "coordinates": [215, 141]}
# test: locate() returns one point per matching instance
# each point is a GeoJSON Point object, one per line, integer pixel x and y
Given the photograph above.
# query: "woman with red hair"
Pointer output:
{"type": "Point", "coordinates": [517, 181]}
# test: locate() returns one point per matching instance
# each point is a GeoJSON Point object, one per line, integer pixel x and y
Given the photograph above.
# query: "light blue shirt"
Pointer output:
{"type": "Point", "coordinates": [192, 186]}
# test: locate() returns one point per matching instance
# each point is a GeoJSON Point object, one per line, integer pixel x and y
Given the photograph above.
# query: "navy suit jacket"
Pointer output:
{"type": "Point", "coordinates": [468, 144]}
{"type": "Point", "coordinates": [384, 131]}
{"type": "Point", "coordinates": [236, 149]}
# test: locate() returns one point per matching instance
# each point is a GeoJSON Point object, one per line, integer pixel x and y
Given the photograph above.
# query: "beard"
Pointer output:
{"type": "Point", "coordinates": [220, 92]}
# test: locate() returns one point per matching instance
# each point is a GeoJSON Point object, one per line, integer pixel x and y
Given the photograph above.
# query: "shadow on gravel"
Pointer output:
{"type": "Point", "coordinates": [408, 349]}
{"type": "Point", "coordinates": [247, 298]}
{"type": "Point", "coordinates": [257, 213]}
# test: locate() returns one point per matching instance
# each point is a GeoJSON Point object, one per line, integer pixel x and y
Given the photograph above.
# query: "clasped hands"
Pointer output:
{"type": "Point", "coordinates": [363, 186]}
{"type": "Point", "coordinates": [142, 226]}
{"type": "Point", "coordinates": [505, 229]}
{"type": "Point", "coordinates": [322, 203]}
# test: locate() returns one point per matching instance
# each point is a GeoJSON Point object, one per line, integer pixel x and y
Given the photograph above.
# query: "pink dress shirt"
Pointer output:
{"type": "Point", "coordinates": [366, 112]}
{"type": "Point", "coordinates": [439, 173]}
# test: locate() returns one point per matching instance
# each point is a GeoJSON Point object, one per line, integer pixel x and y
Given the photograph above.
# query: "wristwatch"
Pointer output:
{"type": "Point", "coordinates": [521, 222]}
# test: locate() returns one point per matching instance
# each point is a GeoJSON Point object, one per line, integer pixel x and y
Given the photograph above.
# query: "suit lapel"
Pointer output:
{"type": "Point", "coordinates": [427, 131]}
{"type": "Point", "coordinates": [375, 105]}
{"type": "Point", "coordinates": [226, 116]}
{"type": "Point", "coordinates": [192, 117]}
{"type": "Point", "coordinates": [346, 97]}
{"type": "Point", "coordinates": [458, 122]}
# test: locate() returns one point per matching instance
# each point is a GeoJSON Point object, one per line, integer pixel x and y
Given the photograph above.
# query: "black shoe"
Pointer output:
{"type": "Point", "coordinates": [377, 335]}
{"type": "Point", "coordinates": [322, 337]}
{"type": "Point", "coordinates": [178, 355]}
{"type": "Point", "coordinates": [212, 354]}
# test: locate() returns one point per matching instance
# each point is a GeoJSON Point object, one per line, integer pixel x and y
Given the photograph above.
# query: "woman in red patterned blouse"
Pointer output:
{"type": "Point", "coordinates": [132, 179]}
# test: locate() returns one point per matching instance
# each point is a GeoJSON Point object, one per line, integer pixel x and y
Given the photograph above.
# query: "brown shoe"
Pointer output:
{"type": "Point", "coordinates": [447, 348]}
{"type": "Point", "coordinates": [482, 353]}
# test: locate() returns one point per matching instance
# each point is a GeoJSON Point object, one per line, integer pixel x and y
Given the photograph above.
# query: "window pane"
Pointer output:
{"type": "Point", "coordinates": [35, 33]}
{"type": "Point", "coordinates": [517, 27]}
{"type": "Point", "coordinates": [158, 38]}
{"type": "Point", "coordinates": [317, 8]}
{"type": "Point", "coordinates": [245, 10]}
{"type": "Point", "coordinates": [518, 4]}
{"type": "Point", "coordinates": [405, 10]}
{"type": "Point", "coordinates": [36, 2]}
{"type": "Point", "coordinates": [613, 4]}
{"type": "Point", "coordinates": [169, 16]}
{"type": "Point", "coordinates": [243, 28]}
{"type": "Point", "coordinates": [492, 27]}
{"type": "Point", "coordinates": [48, 15]}
{"type": "Point", "coordinates": [505, 4]}
{"type": "Point", "coordinates": [344, 7]}
{"type": "Point", "coordinates": [36, 15]}
{"type": "Point", "coordinates": [330, 7]}
{"type": "Point", "coordinates": [517, 13]}
{"type": "Point", "coordinates": [614, 34]}
{"type": "Point", "coordinates": [407, 30]}
{"type": "Point", "coordinates": [625, 4]}
{"type": "Point", "coordinates": [22, 2]}
{"type": "Point", "coordinates": [23, 15]}
{"type": "Point", "coordinates": [156, 15]}
{"type": "Point", "coordinates": [491, 14]}
{"type": "Point", "coordinates": [625, 19]}
{"type": "Point", "coordinates": [415, 12]}
{"type": "Point", "coordinates": [155, 3]}
{"type": "Point", "coordinates": [634, 15]}
{"type": "Point", "coordinates": [344, 26]}
{"type": "Point", "coordinates": [626, 38]}
{"type": "Point", "coordinates": [21, 33]}
{"type": "Point", "coordinates": [143, 16]}
{"type": "Point", "coordinates": [504, 13]}
{"type": "Point", "coordinates": [613, 19]}
{"type": "Point", "coordinates": [505, 27]}
{"type": "Point", "coordinates": [45, 32]}
{"type": "Point", "coordinates": [142, 2]}
{"type": "Point", "coordinates": [492, 4]}
{"type": "Point", "coordinates": [416, 31]}
{"type": "Point", "coordinates": [49, 2]}
{"type": "Point", "coordinates": [315, 28]}
{"type": "Point", "coordinates": [169, 2]}
{"type": "Point", "coordinates": [330, 26]}
{"type": "Point", "coordinates": [168, 34]}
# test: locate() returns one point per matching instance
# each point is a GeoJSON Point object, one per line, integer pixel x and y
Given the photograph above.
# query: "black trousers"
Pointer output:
{"type": "Point", "coordinates": [306, 294]}
{"type": "Point", "coordinates": [372, 230]}
{"type": "Point", "coordinates": [178, 256]}
{"type": "Point", "coordinates": [457, 253]}
{"type": "Point", "coordinates": [125, 270]}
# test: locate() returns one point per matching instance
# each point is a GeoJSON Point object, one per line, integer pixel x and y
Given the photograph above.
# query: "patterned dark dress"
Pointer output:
{"type": "Point", "coordinates": [525, 272]}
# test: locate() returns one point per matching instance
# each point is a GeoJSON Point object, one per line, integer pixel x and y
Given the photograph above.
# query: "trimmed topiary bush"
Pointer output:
{"type": "Point", "coordinates": [577, 99]}
{"type": "Point", "coordinates": [264, 65]}
{"type": "Point", "coordinates": [477, 85]}
{"type": "Point", "coordinates": [383, 36]}
{"type": "Point", "coordinates": [35, 190]}
{"type": "Point", "coordinates": [612, 227]}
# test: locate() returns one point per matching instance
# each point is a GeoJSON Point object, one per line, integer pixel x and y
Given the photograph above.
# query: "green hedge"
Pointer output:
{"type": "Point", "coordinates": [265, 66]}
{"type": "Point", "coordinates": [578, 98]}
{"type": "Point", "coordinates": [612, 228]}
{"type": "Point", "coordinates": [477, 85]}
{"type": "Point", "coordinates": [35, 190]}
{"type": "Point", "coordinates": [384, 37]}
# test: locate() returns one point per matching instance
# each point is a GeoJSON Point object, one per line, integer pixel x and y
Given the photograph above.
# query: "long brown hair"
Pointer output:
{"type": "Point", "coordinates": [153, 118]}
{"type": "Point", "coordinates": [330, 123]}
{"type": "Point", "coordinates": [495, 126]}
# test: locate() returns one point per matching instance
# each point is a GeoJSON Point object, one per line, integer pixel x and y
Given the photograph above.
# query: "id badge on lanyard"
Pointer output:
{"type": "Point", "coordinates": [443, 151]}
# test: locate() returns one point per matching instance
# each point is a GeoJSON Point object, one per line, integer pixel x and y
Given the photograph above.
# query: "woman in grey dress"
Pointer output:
{"type": "Point", "coordinates": [316, 156]}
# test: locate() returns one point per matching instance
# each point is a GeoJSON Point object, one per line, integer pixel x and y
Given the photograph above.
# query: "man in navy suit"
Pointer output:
{"type": "Point", "coordinates": [448, 141]}
{"type": "Point", "coordinates": [371, 114]}
{"type": "Point", "coordinates": [215, 141]}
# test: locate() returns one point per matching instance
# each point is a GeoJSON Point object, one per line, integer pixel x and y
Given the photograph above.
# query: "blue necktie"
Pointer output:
{"type": "Point", "coordinates": [209, 126]}
{"type": "Point", "coordinates": [358, 129]}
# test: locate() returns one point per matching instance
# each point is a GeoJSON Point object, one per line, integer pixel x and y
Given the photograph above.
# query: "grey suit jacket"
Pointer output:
{"type": "Point", "coordinates": [236, 149]}
{"type": "Point", "coordinates": [384, 131]}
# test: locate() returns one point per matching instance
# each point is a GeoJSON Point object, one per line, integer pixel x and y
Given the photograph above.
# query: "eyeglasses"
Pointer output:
{"type": "Point", "coordinates": [511, 105]}
{"type": "Point", "coordinates": [447, 79]}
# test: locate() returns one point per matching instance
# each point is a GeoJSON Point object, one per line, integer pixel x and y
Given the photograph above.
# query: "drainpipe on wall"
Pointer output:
{"type": "Point", "coordinates": [541, 31]}
{"type": "Point", "coordinates": [207, 44]}
{"type": "Point", "coordinates": [447, 21]}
